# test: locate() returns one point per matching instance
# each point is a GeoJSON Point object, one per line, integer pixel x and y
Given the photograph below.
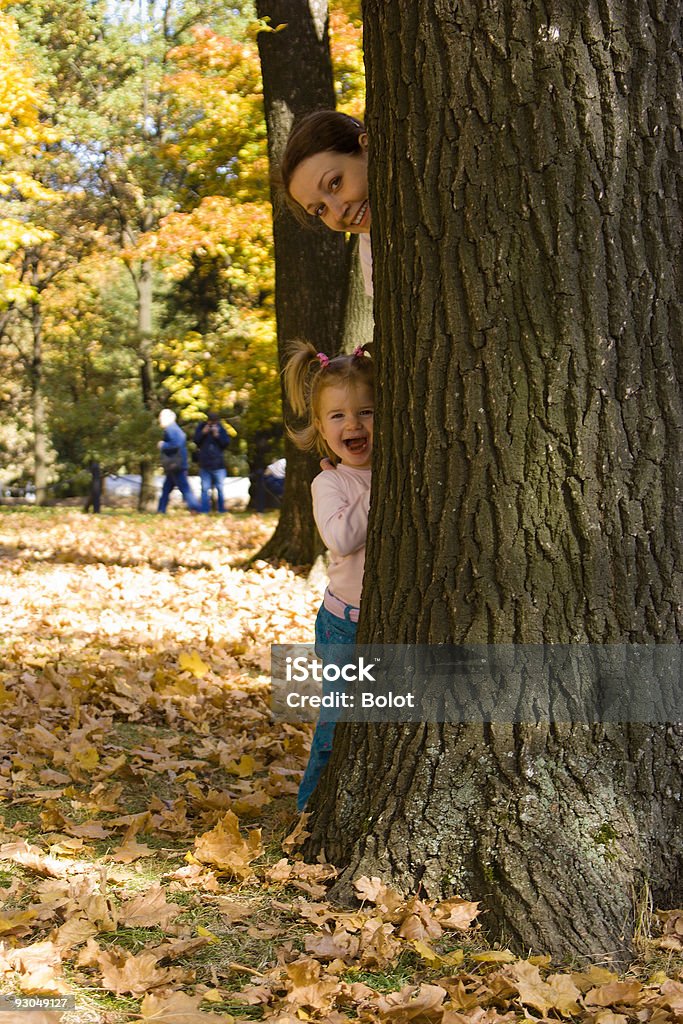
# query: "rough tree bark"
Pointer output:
{"type": "Point", "coordinates": [145, 293]}
{"type": "Point", "coordinates": [311, 267]}
{"type": "Point", "coordinates": [526, 192]}
{"type": "Point", "coordinates": [37, 386]}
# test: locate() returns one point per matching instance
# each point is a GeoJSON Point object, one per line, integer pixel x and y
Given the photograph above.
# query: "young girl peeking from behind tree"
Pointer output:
{"type": "Point", "coordinates": [336, 397]}
{"type": "Point", "coordinates": [324, 175]}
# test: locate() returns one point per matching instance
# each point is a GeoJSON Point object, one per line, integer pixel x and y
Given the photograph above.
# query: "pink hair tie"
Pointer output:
{"type": "Point", "coordinates": [324, 360]}
{"type": "Point", "coordinates": [359, 351]}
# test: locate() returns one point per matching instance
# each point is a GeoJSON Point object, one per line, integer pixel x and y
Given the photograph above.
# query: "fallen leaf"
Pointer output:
{"type": "Point", "coordinates": [124, 973]}
{"type": "Point", "coordinates": [617, 993]}
{"type": "Point", "coordinates": [421, 1004]}
{"type": "Point", "coordinates": [193, 663]}
{"type": "Point", "coordinates": [178, 1008]}
{"type": "Point", "coordinates": [456, 913]}
{"type": "Point", "coordinates": [149, 910]}
{"type": "Point", "coordinates": [225, 848]}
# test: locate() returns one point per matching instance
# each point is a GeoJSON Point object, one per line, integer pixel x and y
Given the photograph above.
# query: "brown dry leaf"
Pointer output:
{"type": "Point", "coordinates": [297, 836]}
{"type": "Point", "coordinates": [607, 1017]}
{"type": "Point", "coordinates": [456, 913]}
{"type": "Point", "coordinates": [90, 955]}
{"type": "Point", "coordinates": [532, 990]}
{"type": "Point", "coordinates": [421, 1004]}
{"type": "Point", "coordinates": [279, 872]}
{"type": "Point", "coordinates": [38, 969]}
{"type": "Point", "coordinates": [378, 943]}
{"type": "Point", "coordinates": [33, 858]}
{"type": "Point", "coordinates": [149, 910]}
{"type": "Point", "coordinates": [673, 922]}
{"type": "Point", "coordinates": [178, 1008]}
{"type": "Point", "coordinates": [592, 978]}
{"type": "Point", "coordinates": [673, 996]}
{"type": "Point", "coordinates": [73, 932]}
{"type": "Point", "coordinates": [330, 946]}
{"type": "Point", "coordinates": [129, 851]}
{"type": "Point", "coordinates": [133, 823]}
{"type": "Point", "coordinates": [194, 876]}
{"type": "Point", "coordinates": [88, 830]}
{"type": "Point", "coordinates": [616, 993]}
{"type": "Point", "coordinates": [419, 922]}
{"type": "Point", "coordinates": [250, 805]}
{"type": "Point", "coordinates": [124, 973]}
{"type": "Point", "coordinates": [375, 891]}
{"type": "Point", "coordinates": [225, 848]}
{"type": "Point", "coordinates": [563, 994]}
{"type": "Point", "coordinates": [174, 948]}
{"type": "Point", "coordinates": [479, 1016]}
{"type": "Point", "coordinates": [231, 911]}
{"type": "Point", "coordinates": [305, 986]}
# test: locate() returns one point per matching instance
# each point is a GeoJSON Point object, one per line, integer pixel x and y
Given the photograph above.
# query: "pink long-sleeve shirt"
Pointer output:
{"type": "Point", "coordinates": [341, 501]}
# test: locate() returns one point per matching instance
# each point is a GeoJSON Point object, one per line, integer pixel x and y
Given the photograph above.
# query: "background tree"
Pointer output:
{"type": "Point", "coordinates": [525, 184]}
{"type": "Point", "coordinates": [311, 267]}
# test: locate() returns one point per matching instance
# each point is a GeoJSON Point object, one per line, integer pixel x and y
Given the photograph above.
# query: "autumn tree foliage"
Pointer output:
{"type": "Point", "coordinates": [150, 130]}
{"type": "Point", "coordinates": [313, 268]}
{"type": "Point", "coordinates": [527, 239]}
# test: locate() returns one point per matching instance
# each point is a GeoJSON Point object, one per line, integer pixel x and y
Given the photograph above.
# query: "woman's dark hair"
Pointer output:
{"type": "Point", "coordinates": [322, 131]}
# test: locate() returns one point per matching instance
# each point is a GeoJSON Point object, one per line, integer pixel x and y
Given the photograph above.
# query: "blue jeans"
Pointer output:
{"type": "Point", "coordinates": [329, 629]}
{"type": "Point", "coordinates": [179, 480]}
{"type": "Point", "coordinates": [212, 478]}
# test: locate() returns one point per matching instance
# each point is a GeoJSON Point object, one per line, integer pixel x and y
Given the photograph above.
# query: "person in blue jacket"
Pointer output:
{"type": "Point", "coordinates": [173, 455]}
{"type": "Point", "coordinates": [211, 439]}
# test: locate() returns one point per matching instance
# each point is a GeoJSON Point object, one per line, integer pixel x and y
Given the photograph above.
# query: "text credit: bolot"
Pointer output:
{"type": "Point", "coordinates": [341, 686]}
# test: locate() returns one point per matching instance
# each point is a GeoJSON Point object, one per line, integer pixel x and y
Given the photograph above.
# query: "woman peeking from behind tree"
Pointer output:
{"type": "Point", "coordinates": [336, 397]}
{"type": "Point", "coordinates": [324, 175]}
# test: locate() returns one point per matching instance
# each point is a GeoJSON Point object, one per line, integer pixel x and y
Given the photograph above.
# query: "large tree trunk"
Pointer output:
{"type": "Point", "coordinates": [525, 185]}
{"type": "Point", "coordinates": [311, 267]}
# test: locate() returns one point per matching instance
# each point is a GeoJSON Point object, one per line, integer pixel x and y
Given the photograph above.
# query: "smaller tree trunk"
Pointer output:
{"type": "Point", "coordinates": [311, 267]}
{"type": "Point", "coordinates": [359, 322]}
{"type": "Point", "coordinates": [38, 407]}
{"type": "Point", "coordinates": [296, 540]}
{"type": "Point", "coordinates": [144, 285]}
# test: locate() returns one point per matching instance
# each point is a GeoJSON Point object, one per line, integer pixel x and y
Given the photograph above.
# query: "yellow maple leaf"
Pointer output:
{"type": "Point", "coordinates": [87, 757]}
{"type": "Point", "coordinates": [15, 921]}
{"type": "Point", "coordinates": [6, 696]}
{"type": "Point", "coordinates": [242, 768]}
{"type": "Point", "coordinates": [194, 664]}
{"type": "Point", "coordinates": [495, 956]}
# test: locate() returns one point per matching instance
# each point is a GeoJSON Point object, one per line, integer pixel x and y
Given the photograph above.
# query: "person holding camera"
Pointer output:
{"type": "Point", "coordinates": [211, 439]}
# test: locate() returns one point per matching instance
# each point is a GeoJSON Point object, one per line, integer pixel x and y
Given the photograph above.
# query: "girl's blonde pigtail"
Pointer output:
{"type": "Point", "coordinates": [298, 377]}
{"type": "Point", "coordinates": [301, 354]}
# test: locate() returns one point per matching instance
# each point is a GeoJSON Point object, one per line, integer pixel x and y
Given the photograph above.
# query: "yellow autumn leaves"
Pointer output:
{"type": "Point", "coordinates": [21, 134]}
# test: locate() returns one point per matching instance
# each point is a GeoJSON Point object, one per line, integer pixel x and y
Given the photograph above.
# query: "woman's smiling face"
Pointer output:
{"type": "Point", "coordinates": [334, 187]}
{"type": "Point", "coordinates": [345, 418]}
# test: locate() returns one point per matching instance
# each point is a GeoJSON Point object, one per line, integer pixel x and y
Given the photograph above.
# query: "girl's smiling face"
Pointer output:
{"type": "Point", "coordinates": [345, 418]}
{"type": "Point", "coordinates": [334, 187]}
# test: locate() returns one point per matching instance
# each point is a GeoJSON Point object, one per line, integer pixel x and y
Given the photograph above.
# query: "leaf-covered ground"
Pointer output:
{"type": "Point", "coordinates": [148, 835]}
